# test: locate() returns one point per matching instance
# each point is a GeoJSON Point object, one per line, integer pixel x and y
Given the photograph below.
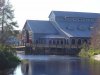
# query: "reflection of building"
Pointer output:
{"type": "Point", "coordinates": [45, 68]}
{"type": "Point", "coordinates": [55, 66]}
{"type": "Point", "coordinates": [64, 30]}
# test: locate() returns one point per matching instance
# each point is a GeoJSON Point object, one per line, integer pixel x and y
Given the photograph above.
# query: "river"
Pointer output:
{"type": "Point", "coordinates": [56, 65]}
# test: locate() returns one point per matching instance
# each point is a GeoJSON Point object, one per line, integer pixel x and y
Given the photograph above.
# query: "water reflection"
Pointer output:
{"type": "Point", "coordinates": [56, 65]}
{"type": "Point", "coordinates": [59, 66]}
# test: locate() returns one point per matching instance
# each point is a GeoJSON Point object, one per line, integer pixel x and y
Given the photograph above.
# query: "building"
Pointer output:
{"type": "Point", "coordinates": [65, 32]}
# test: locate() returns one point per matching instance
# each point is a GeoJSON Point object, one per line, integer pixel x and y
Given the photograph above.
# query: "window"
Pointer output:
{"type": "Point", "coordinates": [54, 42]}
{"type": "Point", "coordinates": [74, 19]}
{"type": "Point", "coordinates": [57, 41]}
{"type": "Point", "coordinates": [81, 19]}
{"type": "Point", "coordinates": [73, 41]}
{"type": "Point", "coordinates": [61, 41]}
{"type": "Point", "coordinates": [64, 41]}
{"type": "Point", "coordinates": [36, 41]}
{"type": "Point", "coordinates": [79, 42]}
{"type": "Point", "coordinates": [68, 18]}
{"type": "Point", "coordinates": [67, 42]}
{"type": "Point", "coordinates": [50, 41]}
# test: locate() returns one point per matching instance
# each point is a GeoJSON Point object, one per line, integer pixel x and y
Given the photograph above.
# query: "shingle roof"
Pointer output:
{"type": "Point", "coordinates": [76, 14]}
{"type": "Point", "coordinates": [73, 31]}
{"type": "Point", "coordinates": [53, 36]}
{"type": "Point", "coordinates": [39, 26]}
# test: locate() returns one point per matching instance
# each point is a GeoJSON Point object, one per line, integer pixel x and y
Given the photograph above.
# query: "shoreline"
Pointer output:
{"type": "Point", "coordinates": [96, 57]}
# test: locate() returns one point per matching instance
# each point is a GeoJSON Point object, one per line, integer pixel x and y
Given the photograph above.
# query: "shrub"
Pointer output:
{"type": "Point", "coordinates": [88, 53]}
{"type": "Point", "coordinates": [8, 58]}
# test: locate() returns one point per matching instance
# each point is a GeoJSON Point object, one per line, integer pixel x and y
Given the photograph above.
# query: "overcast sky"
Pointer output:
{"type": "Point", "coordinates": [40, 9]}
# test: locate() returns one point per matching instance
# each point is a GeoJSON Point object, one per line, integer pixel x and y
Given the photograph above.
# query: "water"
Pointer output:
{"type": "Point", "coordinates": [56, 65]}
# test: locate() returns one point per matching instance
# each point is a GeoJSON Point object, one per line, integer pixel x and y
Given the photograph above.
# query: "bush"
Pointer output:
{"type": "Point", "coordinates": [8, 58]}
{"type": "Point", "coordinates": [89, 53]}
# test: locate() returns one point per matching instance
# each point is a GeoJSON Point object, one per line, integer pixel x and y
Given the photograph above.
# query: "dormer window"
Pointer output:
{"type": "Point", "coordinates": [67, 18]}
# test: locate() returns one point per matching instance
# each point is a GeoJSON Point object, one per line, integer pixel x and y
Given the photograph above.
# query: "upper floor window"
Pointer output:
{"type": "Point", "coordinates": [79, 19]}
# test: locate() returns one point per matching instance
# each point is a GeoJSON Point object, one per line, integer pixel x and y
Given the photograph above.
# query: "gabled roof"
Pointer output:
{"type": "Point", "coordinates": [38, 26]}
{"type": "Point", "coordinates": [76, 14]}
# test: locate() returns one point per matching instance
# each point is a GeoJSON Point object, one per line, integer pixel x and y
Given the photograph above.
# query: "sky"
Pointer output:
{"type": "Point", "coordinates": [40, 9]}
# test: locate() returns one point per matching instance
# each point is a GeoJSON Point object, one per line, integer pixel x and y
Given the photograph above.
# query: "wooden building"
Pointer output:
{"type": "Point", "coordinates": [65, 32]}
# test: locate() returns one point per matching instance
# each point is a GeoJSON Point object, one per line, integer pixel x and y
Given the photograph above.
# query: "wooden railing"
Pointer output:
{"type": "Point", "coordinates": [55, 46]}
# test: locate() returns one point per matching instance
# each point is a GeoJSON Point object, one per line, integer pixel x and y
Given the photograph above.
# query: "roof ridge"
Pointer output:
{"type": "Point", "coordinates": [36, 20]}
{"type": "Point", "coordinates": [76, 12]}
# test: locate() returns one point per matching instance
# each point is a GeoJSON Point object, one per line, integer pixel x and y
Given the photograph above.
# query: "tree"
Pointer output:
{"type": "Point", "coordinates": [7, 22]}
{"type": "Point", "coordinates": [8, 58]}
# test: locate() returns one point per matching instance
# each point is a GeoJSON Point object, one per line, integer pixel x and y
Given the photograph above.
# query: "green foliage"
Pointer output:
{"type": "Point", "coordinates": [88, 53]}
{"type": "Point", "coordinates": [8, 58]}
{"type": "Point", "coordinates": [7, 22]}
{"type": "Point", "coordinates": [83, 53]}
{"type": "Point", "coordinates": [92, 52]}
